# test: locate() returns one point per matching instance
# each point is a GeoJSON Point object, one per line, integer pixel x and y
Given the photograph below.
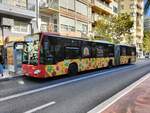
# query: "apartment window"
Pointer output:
{"type": "Point", "coordinates": [31, 5]}
{"type": "Point", "coordinates": [21, 3]}
{"type": "Point", "coordinates": [20, 27]}
{"type": "Point", "coordinates": [71, 28]}
{"type": "Point", "coordinates": [64, 27]}
{"type": "Point", "coordinates": [82, 27]}
{"type": "Point", "coordinates": [67, 24]}
{"type": "Point", "coordinates": [68, 4]}
{"type": "Point", "coordinates": [81, 8]}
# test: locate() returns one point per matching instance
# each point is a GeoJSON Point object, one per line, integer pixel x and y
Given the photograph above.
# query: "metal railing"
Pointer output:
{"type": "Point", "coordinates": [21, 5]}
{"type": "Point", "coordinates": [103, 3]}
{"type": "Point", "coordinates": [96, 17]}
{"type": "Point", "coordinates": [53, 5]}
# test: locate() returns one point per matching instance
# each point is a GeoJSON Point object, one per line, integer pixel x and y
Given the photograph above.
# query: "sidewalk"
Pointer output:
{"type": "Point", "coordinates": [133, 99]}
{"type": "Point", "coordinates": [7, 76]}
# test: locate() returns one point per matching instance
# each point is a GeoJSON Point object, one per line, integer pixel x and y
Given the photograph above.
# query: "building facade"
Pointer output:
{"type": "Point", "coordinates": [73, 17]}
{"type": "Point", "coordinates": [67, 17]}
{"type": "Point", "coordinates": [136, 9]}
{"type": "Point", "coordinates": [102, 8]}
{"type": "Point", "coordinates": [15, 18]}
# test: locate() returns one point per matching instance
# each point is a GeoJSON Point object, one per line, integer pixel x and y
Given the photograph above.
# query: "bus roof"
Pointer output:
{"type": "Point", "coordinates": [125, 45]}
{"type": "Point", "coordinates": [102, 41]}
{"type": "Point", "coordinates": [69, 37]}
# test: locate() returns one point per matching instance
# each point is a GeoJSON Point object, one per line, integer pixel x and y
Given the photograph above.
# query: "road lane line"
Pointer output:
{"type": "Point", "coordinates": [59, 84]}
{"type": "Point", "coordinates": [40, 107]}
{"type": "Point", "coordinates": [106, 104]}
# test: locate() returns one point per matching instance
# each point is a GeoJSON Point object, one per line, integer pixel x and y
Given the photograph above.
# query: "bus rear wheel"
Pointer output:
{"type": "Point", "coordinates": [110, 64]}
{"type": "Point", "coordinates": [129, 61]}
{"type": "Point", "coordinates": [73, 69]}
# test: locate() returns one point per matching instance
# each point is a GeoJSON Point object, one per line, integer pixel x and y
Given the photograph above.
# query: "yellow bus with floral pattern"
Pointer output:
{"type": "Point", "coordinates": [49, 54]}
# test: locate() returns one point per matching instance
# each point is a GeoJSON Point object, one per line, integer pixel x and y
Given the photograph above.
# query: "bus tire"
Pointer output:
{"type": "Point", "coordinates": [110, 64]}
{"type": "Point", "coordinates": [129, 61]}
{"type": "Point", "coordinates": [73, 69]}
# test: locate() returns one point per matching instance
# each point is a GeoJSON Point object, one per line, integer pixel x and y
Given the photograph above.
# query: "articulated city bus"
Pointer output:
{"type": "Point", "coordinates": [48, 55]}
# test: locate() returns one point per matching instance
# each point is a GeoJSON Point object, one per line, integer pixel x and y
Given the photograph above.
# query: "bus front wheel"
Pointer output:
{"type": "Point", "coordinates": [73, 69]}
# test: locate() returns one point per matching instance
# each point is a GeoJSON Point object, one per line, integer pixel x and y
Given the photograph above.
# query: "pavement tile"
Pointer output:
{"type": "Point", "coordinates": [136, 101]}
{"type": "Point", "coordinates": [6, 75]}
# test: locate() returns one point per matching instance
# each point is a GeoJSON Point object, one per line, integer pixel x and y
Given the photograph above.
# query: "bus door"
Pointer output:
{"type": "Point", "coordinates": [117, 55]}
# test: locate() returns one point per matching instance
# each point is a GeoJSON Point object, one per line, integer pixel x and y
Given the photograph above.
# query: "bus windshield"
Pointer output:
{"type": "Point", "coordinates": [30, 51]}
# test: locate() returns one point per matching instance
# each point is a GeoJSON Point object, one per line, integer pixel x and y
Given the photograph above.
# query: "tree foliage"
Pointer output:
{"type": "Point", "coordinates": [115, 27]}
{"type": "Point", "coordinates": [103, 29]}
{"type": "Point", "coordinates": [146, 42]}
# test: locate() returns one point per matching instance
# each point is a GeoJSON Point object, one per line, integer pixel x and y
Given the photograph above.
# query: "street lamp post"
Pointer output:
{"type": "Point", "coordinates": [37, 14]}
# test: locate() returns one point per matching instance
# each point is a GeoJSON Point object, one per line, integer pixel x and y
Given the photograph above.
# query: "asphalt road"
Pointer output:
{"type": "Point", "coordinates": [76, 94]}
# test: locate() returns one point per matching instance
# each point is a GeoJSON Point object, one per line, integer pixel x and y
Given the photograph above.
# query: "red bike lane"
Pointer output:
{"type": "Point", "coordinates": [136, 101]}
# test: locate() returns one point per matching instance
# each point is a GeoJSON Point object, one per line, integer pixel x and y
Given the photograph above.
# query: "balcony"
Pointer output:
{"type": "Point", "coordinates": [70, 34]}
{"type": "Point", "coordinates": [49, 8]}
{"type": "Point", "coordinates": [49, 27]}
{"type": "Point", "coordinates": [87, 2]}
{"type": "Point", "coordinates": [96, 17]}
{"type": "Point", "coordinates": [17, 9]}
{"type": "Point", "coordinates": [100, 6]}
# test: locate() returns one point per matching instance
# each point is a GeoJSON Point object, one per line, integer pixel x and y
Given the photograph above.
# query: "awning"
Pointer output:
{"type": "Point", "coordinates": [15, 39]}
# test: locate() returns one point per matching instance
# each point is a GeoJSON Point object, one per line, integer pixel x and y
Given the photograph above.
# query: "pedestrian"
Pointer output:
{"type": "Point", "coordinates": [1, 66]}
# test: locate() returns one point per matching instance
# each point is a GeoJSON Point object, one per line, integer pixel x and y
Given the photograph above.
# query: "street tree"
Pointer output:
{"type": "Point", "coordinates": [146, 42]}
{"type": "Point", "coordinates": [103, 29]}
{"type": "Point", "coordinates": [115, 27]}
{"type": "Point", "coordinates": [122, 25]}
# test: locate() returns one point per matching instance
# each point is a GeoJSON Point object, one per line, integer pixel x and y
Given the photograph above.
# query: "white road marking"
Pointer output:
{"type": "Point", "coordinates": [40, 107]}
{"type": "Point", "coordinates": [103, 106]}
{"type": "Point", "coordinates": [59, 84]}
{"type": "Point", "coordinates": [21, 82]}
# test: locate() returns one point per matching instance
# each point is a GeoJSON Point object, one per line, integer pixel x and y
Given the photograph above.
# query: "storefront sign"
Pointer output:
{"type": "Point", "coordinates": [15, 39]}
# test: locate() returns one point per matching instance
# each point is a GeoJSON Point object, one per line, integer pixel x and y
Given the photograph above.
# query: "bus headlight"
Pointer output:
{"type": "Point", "coordinates": [36, 72]}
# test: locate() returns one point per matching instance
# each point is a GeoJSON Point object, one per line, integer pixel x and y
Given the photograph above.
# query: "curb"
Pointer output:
{"type": "Point", "coordinates": [10, 78]}
{"type": "Point", "coordinates": [107, 103]}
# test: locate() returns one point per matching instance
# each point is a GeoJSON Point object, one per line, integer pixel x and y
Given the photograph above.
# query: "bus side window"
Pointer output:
{"type": "Point", "coordinates": [93, 51]}
{"type": "Point", "coordinates": [48, 51]}
{"type": "Point", "coordinates": [123, 51]}
{"type": "Point", "coordinates": [59, 52]}
{"type": "Point", "coordinates": [111, 51]}
{"type": "Point", "coordinates": [99, 51]}
{"type": "Point", "coordinates": [72, 52]}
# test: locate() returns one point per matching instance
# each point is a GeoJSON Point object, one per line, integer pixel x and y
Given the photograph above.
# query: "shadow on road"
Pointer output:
{"type": "Point", "coordinates": [80, 74]}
